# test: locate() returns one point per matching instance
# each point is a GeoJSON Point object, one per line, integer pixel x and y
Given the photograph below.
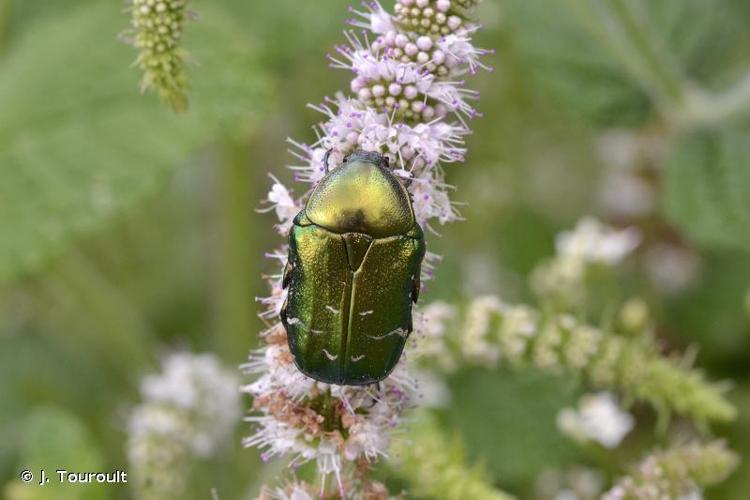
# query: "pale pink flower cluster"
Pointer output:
{"type": "Point", "coordinates": [408, 103]}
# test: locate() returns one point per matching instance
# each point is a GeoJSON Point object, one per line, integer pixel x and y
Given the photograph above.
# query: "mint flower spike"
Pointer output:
{"type": "Point", "coordinates": [156, 31]}
{"type": "Point", "coordinates": [436, 467]}
{"type": "Point", "coordinates": [680, 473]}
{"type": "Point", "coordinates": [522, 336]}
{"type": "Point", "coordinates": [407, 101]}
{"type": "Point", "coordinates": [188, 411]}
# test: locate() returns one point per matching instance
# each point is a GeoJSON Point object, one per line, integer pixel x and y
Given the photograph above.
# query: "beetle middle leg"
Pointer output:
{"type": "Point", "coordinates": [375, 399]}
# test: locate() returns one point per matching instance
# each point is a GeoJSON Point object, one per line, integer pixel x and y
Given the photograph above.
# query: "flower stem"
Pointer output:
{"type": "Point", "coordinates": [120, 335]}
{"type": "Point", "coordinates": [704, 108]}
{"type": "Point", "coordinates": [235, 271]}
{"type": "Point", "coordinates": [683, 105]}
{"type": "Point", "coordinates": [5, 9]}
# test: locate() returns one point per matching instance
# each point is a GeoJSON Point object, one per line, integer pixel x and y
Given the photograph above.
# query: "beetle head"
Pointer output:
{"type": "Point", "coordinates": [378, 159]}
{"type": "Point", "coordinates": [368, 157]}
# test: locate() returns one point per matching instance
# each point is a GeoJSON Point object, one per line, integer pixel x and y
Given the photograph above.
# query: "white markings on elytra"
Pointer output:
{"type": "Point", "coordinates": [365, 313]}
{"type": "Point", "coordinates": [294, 321]}
{"type": "Point", "coordinates": [357, 358]}
{"type": "Point", "coordinates": [398, 331]}
{"type": "Point", "coordinates": [332, 357]}
{"type": "Point", "coordinates": [333, 309]}
{"type": "Point", "coordinates": [315, 332]}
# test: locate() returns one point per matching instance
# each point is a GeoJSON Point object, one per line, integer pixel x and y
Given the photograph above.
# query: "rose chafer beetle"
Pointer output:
{"type": "Point", "coordinates": [355, 253]}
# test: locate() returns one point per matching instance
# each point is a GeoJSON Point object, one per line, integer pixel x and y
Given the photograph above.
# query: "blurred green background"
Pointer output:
{"type": "Point", "coordinates": [127, 231]}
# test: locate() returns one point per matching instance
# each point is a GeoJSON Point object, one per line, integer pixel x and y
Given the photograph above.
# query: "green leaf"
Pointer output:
{"type": "Point", "coordinates": [507, 420]}
{"type": "Point", "coordinates": [79, 145]}
{"type": "Point", "coordinates": [571, 65]}
{"type": "Point", "coordinates": [712, 315]}
{"type": "Point", "coordinates": [54, 440]}
{"type": "Point", "coordinates": [608, 68]}
{"type": "Point", "coordinates": [708, 188]}
{"type": "Point", "coordinates": [701, 35]}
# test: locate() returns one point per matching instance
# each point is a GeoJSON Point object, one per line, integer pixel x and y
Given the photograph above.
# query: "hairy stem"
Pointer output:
{"type": "Point", "coordinates": [667, 80]}
{"type": "Point", "coordinates": [704, 108]}
{"type": "Point", "coordinates": [613, 23]}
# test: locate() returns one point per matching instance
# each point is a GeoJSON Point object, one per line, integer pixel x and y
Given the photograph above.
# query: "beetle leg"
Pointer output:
{"type": "Point", "coordinates": [282, 314]}
{"type": "Point", "coordinates": [375, 399]}
{"type": "Point", "coordinates": [416, 286]}
{"type": "Point", "coordinates": [325, 160]}
{"type": "Point", "coordinates": [287, 274]}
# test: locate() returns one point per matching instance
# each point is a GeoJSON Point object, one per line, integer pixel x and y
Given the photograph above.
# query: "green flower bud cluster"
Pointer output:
{"type": "Point", "coordinates": [681, 472]}
{"type": "Point", "coordinates": [156, 32]}
{"type": "Point", "coordinates": [436, 465]}
{"type": "Point", "coordinates": [429, 17]}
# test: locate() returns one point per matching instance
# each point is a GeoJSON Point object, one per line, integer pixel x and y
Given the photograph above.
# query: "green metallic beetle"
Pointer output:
{"type": "Point", "coordinates": [355, 254]}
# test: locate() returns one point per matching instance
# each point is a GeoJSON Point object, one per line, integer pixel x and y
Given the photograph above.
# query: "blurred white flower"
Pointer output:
{"type": "Point", "coordinates": [625, 193]}
{"type": "Point", "coordinates": [476, 343]}
{"type": "Point", "coordinates": [597, 418]}
{"type": "Point", "coordinates": [432, 390]}
{"type": "Point", "coordinates": [628, 149]}
{"type": "Point", "coordinates": [594, 242]}
{"type": "Point", "coordinates": [575, 483]}
{"type": "Point", "coordinates": [430, 336]}
{"type": "Point", "coordinates": [197, 386]}
{"type": "Point", "coordinates": [672, 268]}
{"type": "Point", "coordinates": [481, 274]}
{"type": "Point", "coordinates": [619, 148]}
{"type": "Point", "coordinates": [590, 243]}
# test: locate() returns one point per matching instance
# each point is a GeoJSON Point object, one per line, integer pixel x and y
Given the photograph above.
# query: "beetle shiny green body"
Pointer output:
{"type": "Point", "coordinates": [355, 253]}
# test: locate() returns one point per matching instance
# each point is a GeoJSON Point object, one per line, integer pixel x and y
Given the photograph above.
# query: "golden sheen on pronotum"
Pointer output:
{"type": "Point", "coordinates": [355, 253]}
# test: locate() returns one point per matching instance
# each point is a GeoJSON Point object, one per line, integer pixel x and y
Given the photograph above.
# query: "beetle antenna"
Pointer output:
{"type": "Point", "coordinates": [325, 160]}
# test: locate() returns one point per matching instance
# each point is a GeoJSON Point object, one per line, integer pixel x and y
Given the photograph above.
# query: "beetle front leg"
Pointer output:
{"type": "Point", "coordinates": [416, 286]}
{"type": "Point", "coordinates": [287, 275]}
{"type": "Point", "coordinates": [282, 314]}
